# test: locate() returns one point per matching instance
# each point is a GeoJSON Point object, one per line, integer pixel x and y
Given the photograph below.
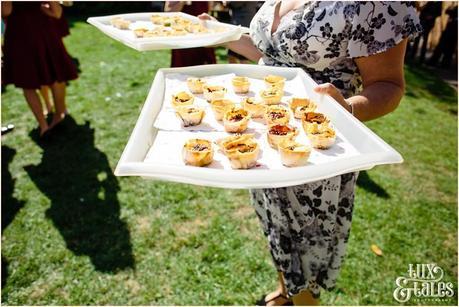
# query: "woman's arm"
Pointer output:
{"type": "Point", "coordinates": [7, 8]}
{"type": "Point", "coordinates": [52, 9]}
{"type": "Point", "coordinates": [244, 46]}
{"type": "Point", "coordinates": [383, 84]}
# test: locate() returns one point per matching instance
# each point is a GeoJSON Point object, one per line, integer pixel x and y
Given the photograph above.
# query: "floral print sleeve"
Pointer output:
{"type": "Point", "coordinates": [378, 26]}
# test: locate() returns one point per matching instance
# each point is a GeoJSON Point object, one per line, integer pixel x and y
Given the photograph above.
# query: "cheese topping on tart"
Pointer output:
{"type": "Point", "coordinates": [198, 152]}
{"type": "Point", "coordinates": [313, 117]}
{"type": "Point", "coordinates": [182, 99]}
{"type": "Point", "coordinates": [212, 92]}
{"type": "Point", "coordinates": [277, 115]}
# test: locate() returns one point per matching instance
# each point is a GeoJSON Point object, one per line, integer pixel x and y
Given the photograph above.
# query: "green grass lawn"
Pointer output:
{"type": "Point", "coordinates": [72, 233]}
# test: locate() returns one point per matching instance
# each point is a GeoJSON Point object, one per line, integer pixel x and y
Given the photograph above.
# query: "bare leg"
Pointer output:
{"type": "Point", "coordinates": [34, 102]}
{"type": "Point", "coordinates": [305, 298]}
{"type": "Point", "coordinates": [44, 91]}
{"type": "Point", "coordinates": [58, 89]}
{"type": "Point", "coordinates": [277, 297]}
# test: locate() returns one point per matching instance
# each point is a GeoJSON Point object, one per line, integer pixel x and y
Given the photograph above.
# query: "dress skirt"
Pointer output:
{"type": "Point", "coordinates": [34, 54]}
{"type": "Point", "coordinates": [308, 227]}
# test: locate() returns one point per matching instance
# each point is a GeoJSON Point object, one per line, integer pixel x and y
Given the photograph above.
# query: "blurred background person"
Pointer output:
{"type": "Point", "coordinates": [429, 13]}
{"type": "Point", "coordinates": [447, 46]}
{"type": "Point", "coordinates": [34, 55]}
{"type": "Point", "coordinates": [190, 56]}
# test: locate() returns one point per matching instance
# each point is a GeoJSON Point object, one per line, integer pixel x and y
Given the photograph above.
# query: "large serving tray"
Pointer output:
{"type": "Point", "coordinates": [371, 149]}
{"type": "Point", "coordinates": [127, 37]}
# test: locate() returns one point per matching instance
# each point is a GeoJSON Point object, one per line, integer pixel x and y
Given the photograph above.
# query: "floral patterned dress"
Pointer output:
{"type": "Point", "coordinates": [308, 226]}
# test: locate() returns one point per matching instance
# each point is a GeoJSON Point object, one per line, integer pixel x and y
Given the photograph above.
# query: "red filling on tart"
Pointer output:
{"type": "Point", "coordinates": [279, 130]}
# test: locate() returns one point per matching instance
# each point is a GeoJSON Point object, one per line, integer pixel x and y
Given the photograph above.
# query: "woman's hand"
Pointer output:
{"type": "Point", "coordinates": [52, 9]}
{"type": "Point", "coordinates": [205, 16]}
{"type": "Point", "coordinates": [331, 90]}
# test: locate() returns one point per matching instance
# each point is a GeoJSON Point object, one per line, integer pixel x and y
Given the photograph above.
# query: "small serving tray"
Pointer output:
{"type": "Point", "coordinates": [147, 153]}
{"type": "Point", "coordinates": [128, 38]}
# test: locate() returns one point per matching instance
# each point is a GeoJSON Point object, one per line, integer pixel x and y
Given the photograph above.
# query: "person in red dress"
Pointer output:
{"type": "Point", "coordinates": [34, 55]}
{"type": "Point", "coordinates": [190, 56]}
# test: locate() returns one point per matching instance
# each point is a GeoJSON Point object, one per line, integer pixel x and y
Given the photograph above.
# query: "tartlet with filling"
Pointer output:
{"type": "Point", "coordinates": [255, 107]}
{"type": "Point", "coordinates": [195, 85]}
{"type": "Point", "coordinates": [310, 118]}
{"type": "Point", "coordinates": [212, 92]}
{"type": "Point", "coordinates": [277, 115]}
{"type": "Point", "coordinates": [182, 99]}
{"type": "Point", "coordinates": [271, 95]}
{"type": "Point", "coordinates": [120, 23]}
{"type": "Point", "coordinates": [220, 106]}
{"type": "Point", "coordinates": [241, 85]}
{"type": "Point", "coordinates": [236, 120]}
{"type": "Point", "coordinates": [190, 115]}
{"type": "Point", "coordinates": [293, 153]}
{"type": "Point", "coordinates": [321, 136]}
{"type": "Point", "coordinates": [140, 32]}
{"type": "Point", "coordinates": [198, 152]}
{"type": "Point", "coordinates": [281, 133]}
{"type": "Point", "coordinates": [274, 81]}
{"type": "Point", "coordinates": [241, 150]}
{"type": "Point", "coordinates": [300, 106]}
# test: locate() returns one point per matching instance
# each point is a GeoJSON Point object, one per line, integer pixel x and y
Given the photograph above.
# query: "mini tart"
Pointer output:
{"type": "Point", "coordinates": [321, 136]}
{"type": "Point", "coordinates": [274, 81]}
{"type": "Point", "coordinates": [196, 28]}
{"type": "Point", "coordinates": [219, 107]}
{"type": "Point", "coordinates": [178, 32]}
{"type": "Point", "coordinates": [212, 92]}
{"type": "Point", "coordinates": [236, 120]}
{"type": "Point", "coordinates": [241, 85]}
{"type": "Point", "coordinates": [277, 115]}
{"type": "Point", "coordinates": [310, 118]}
{"type": "Point", "coordinates": [120, 23]}
{"type": "Point", "coordinates": [140, 32]}
{"type": "Point", "coordinates": [293, 153]}
{"type": "Point", "coordinates": [157, 33]}
{"type": "Point", "coordinates": [190, 115]}
{"type": "Point", "coordinates": [182, 99]}
{"type": "Point", "coordinates": [271, 95]}
{"type": "Point", "coordinates": [281, 133]}
{"type": "Point", "coordinates": [299, 106]}
{"type": "Point", "coordinates": [242, 151]}
{"type": "Point", "coordinates": [255, 108]}
{"type": "Point", "coordinates": [198, 152]}
{"type": "Point", "coordinates": [195, 85]}
{"type": "Point", "coordinates": [157, 19]}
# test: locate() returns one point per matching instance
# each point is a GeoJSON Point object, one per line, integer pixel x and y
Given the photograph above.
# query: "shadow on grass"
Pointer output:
{"type": "Point", "coordinates": [77, 179]}
{"type": "Point", "coordinates": [365, 182]}
{"type": "Point", "coordinates": [10, 205]}
{"type": "Point", "coordinates": [422, 81]}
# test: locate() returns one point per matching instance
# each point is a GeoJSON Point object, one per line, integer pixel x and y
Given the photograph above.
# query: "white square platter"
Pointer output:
{"type": "Point", "coordinates": [359, 148]}
{"type": "Point", "coordinates": [127, 37]}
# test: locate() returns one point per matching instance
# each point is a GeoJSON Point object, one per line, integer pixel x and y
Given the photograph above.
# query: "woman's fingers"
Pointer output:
{"type": "Point", "coordinates": [331, 90]}
{"type": "Point", "coordinates": [205, 16]}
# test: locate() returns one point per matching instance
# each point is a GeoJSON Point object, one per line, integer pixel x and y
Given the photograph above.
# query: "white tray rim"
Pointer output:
{"type": "Point", "coordinates": [260, 178]}
{"type": "Point", "coordinates": [171, 42]}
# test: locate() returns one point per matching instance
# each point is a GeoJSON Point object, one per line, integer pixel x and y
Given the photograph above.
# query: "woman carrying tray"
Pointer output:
{"type": "Point", "coordinates": [355, 51]}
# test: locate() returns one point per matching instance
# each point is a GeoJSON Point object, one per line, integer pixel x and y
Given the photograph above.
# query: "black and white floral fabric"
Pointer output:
{"type": "Point", "coordinates": [308, 226]}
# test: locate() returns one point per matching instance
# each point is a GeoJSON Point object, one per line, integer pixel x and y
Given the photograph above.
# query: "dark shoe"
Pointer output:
{"type": "Point", "coordinates": [7, 129]}
{"type": "Point", "coordinates": [263, 302]}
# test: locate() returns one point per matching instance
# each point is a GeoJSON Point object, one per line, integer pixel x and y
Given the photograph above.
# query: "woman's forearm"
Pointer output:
{"type": "Point", "coordinates": [245, 47]}
{"type": "Point", "coordinates": [376, 100]}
